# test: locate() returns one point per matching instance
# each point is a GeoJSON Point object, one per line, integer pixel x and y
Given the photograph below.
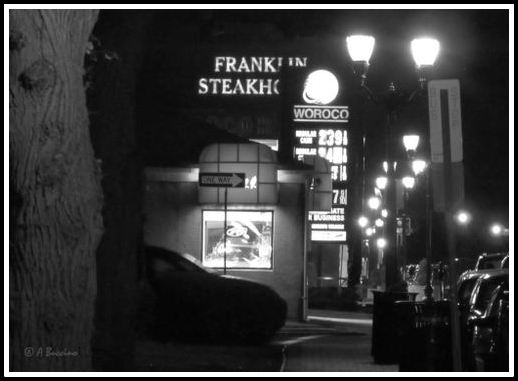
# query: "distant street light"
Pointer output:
{"type": "Point", "coordinates": [381, 243]}
{"type": "Point", "coordinates": [411, 142]}
{"type": "Point", "coordinates": [369, 232]}
{"type": "Point", "coordinates": [408, 182]}
{"type": "Point", "coordinates": [363, 221]}
{"type": "Point", "coordinates": [381, 182]}
{"type": "Point", "coordinates": [498, 230]}
{"type": "Point", "coordinates": [384, 213]}
{"type": "Point", "coordinates": [418, 166]}
{"type": "Point", "coordinates": [374, 203]}
{"type": "Point", "coordinates": [463, 217]}
{"type": "Point", "coordinates": [379, 223]}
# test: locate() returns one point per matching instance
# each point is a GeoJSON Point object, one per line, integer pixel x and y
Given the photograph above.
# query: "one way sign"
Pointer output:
{"type": "Point", "coordinates": [224, 180]}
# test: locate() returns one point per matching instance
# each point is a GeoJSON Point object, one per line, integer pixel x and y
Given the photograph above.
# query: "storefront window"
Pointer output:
{"type": "Point", "coordinates": [249, 239]}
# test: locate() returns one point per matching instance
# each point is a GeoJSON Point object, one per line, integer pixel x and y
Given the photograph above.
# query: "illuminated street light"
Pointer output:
{"type": "Point", "coordinates": [381, 243]}
{"type": "Point", "coordinates": [384, 213]}
{"type": "Point", "coordinates": [379, 223]}
{"type": "Point", "coordinates": [408, 182]}
{"type": "Point", "coordinates": [425, 51]}
{"type": "Point", "coordinates": [463, 217]}
{"type": "Point", "coordinates": [497, 230]}
{"type": "Point", "coordinates": [360, 47]}
{"type": "Point", "coordinates": [381, 182]}
{"type": "Point", "coordinates": [369, 232]}
{"type": "Point", "coordinates": [385, 166]}
{"type": "Point", "coordinates": [363, 221]}
{"type": "Point", "coordinates": [418, 166]}
{"type": "Point", "coordinates": [374, 203]}
{"type": "Point", "coordinates": [411, 142]}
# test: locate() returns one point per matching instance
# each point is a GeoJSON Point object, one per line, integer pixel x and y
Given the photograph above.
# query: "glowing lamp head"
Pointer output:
{"type": "Point", "coordinates": [321, 87]}
{"type": "Point", "coordinates": [381, 182]}
{"type": "Point", "coordinates": [385, 166]}
{"type": "Point", "coordinates": [363, 221]}
{"type": "Point", "coordinates": [379, 223]}
{"type": "Point", "coordinates": [369, 232]}
{"type": "Point", "coordinates": [381, 243]}
{"type": "Point", "coordinates": [384, 213]}
{"type": "Point", "coordinates": [408, 182]}
{"type": "Point", "coordinates": [360, 47]}
{"type": "Point", "coordinates": [418, 166]}
{"type": "Point", "coordinates": [411, 142]}
{"type": "Point", "coordinates": [374, 203]}
{"type": "Point", "coordinates": [425, 51]}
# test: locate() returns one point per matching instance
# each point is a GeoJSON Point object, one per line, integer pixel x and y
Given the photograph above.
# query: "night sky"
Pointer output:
{"type": "Point", "coordinates": [474, 48]}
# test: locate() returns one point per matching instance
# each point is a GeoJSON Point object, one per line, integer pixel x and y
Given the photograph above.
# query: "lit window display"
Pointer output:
{"type": "Point", "coordinates": [249, 239]}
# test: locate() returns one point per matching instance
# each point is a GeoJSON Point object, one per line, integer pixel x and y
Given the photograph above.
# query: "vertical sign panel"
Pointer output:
{"type": "Point", "coordinates": [320, 131]}
{"type": "Point", "coordinates": [446, 140]}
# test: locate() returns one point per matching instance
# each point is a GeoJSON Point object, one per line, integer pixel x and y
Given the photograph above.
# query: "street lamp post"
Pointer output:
{"type": "Point", "coordinates": [424, 51]}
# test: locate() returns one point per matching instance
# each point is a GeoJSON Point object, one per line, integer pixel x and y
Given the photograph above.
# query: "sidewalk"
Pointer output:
{"type": "Point", "coordinates": [345, 347]}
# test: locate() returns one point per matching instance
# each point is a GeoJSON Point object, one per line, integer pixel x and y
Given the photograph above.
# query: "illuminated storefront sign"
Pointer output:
{"type": "Point", "coordinates": [335, 114]}
{"type": "Point", "coordinates": [249, 239]}
{"type": "Point", "coordinates": [233, 66]}
{"type": "Point", "coordinates": [320, 131]}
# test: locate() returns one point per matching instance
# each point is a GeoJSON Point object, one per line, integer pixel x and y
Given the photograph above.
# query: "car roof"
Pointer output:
{"type": "Point", "coordinates": [470, 274]}
{"type": "Point", "coordinates": [502, 273]}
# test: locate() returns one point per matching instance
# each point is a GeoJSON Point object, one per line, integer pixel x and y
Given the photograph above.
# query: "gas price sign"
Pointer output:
{"type": "Point", "coordinates": [330, 144]}
{"type": "Point", "coordinates": [321, 129]}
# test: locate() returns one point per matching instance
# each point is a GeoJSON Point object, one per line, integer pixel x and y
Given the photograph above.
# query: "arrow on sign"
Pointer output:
{"type": "Point", "coordinates": [225, 180]}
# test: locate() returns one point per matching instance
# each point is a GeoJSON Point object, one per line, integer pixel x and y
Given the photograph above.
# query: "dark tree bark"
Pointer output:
{"type": "Point", "coordinates": [120, 37]}
{"type": "Point", "coordinates": [55, 192]}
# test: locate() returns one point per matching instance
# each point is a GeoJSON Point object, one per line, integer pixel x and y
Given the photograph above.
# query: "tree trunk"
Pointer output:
{"type": "Point", "coordinates": [112, 102]}
{"type": "Point", "coordinates": [55, 181]}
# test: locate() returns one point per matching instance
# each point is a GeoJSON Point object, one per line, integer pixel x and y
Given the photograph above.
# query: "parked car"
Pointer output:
{"type": "Point", "coordinates": [195, 304]}
{"type": "Point", "coordinates": [478, 303]}
{"type": "Point", "coordinates": [490, 333]}
{"type": "Point", "coordinates": [491, 261]}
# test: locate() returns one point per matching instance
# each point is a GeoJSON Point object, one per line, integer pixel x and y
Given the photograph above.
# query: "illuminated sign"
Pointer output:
{"type": "Point", "coordinates": [249, 239]}
{"type": "Point", "coordinates": [328, 143]}
{"type": "Point", "coordinates": [320, 131]}
{"type": "Point", "coordinates": [234, 180]}
{"type": "Point", "coordinates": [321, 88]}
{"type": "Point", "coordinates": [335, 114]}
{"type": "Point", "coordinates": [247, 86]}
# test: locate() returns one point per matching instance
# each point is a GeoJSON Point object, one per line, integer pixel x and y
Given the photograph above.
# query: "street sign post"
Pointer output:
{"type": "Point", "coordinates": [223, 180]}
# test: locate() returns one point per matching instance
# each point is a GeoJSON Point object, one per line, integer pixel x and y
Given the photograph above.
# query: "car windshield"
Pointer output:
{"type": "Point", "coordinates": [489, 262]}
{"type": "Point", "coordinates": [465, 290]}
